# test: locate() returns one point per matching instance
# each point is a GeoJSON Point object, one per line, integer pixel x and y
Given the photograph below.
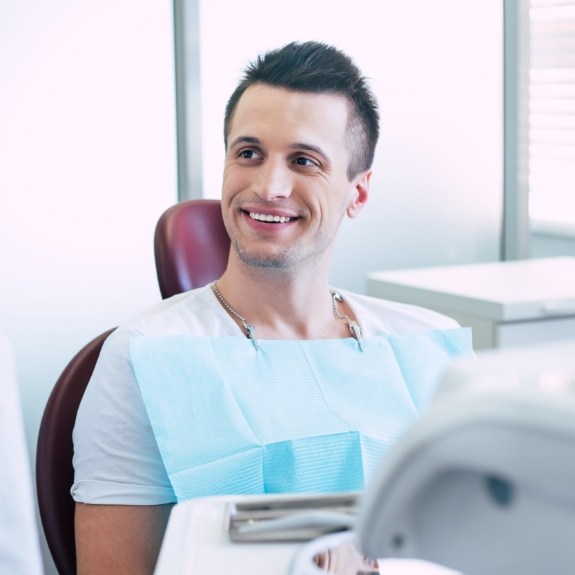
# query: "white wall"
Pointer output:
{"type": "Point", "coordinates": [87, 165]}
{"type": "Point", "coordinates": [436, 68]}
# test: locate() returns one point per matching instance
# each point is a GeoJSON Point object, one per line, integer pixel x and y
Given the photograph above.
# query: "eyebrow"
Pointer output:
{"type": "Point", "coordinates": [244, 140]}
{"type": "Point", "coordinates": [310, 148]}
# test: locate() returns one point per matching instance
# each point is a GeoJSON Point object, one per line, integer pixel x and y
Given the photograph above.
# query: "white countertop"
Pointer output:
{"type": "Point", "coordinates": [197, 543]}
{"type": "Point", "coordinates": [505, 291]}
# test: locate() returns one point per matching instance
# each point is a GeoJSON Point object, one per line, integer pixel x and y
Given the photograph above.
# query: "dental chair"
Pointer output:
{"type": "Point", "coordinates": [191, 246]}
{"type": "Point", "coordinates": [191, 249]}
{"type": "Point", "coordinates": [484, 483]}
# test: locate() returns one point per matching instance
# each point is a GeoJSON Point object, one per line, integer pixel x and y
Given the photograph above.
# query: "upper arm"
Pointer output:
{"type": "Point", "coordinates": [120, 539]}
{"type": "Point", "coordinates": [116, 457]}
{"type": "Point", "coordinates": [121, 488]}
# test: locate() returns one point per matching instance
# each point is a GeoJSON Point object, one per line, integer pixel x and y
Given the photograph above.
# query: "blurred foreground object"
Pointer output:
{"type": "Point", "coordinates": [19, 543]}
{"type": "Point", "coordinates": [485, 481]}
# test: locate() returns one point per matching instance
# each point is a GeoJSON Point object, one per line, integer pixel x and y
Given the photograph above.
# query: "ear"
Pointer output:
{"type": "Point", "coordinates": [360, 194]}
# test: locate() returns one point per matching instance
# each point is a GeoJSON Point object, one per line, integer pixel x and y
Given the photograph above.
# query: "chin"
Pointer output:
{"type": "Point", "coordinates": [266, 255]}
{"type": "Point", "coordinates": [265, 262]}
{"type": "Point", "coordinates": [264, 259]}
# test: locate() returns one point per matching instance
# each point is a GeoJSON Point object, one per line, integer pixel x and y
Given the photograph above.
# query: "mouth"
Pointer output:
{"type": "Point", "coordinates": [270, 218]}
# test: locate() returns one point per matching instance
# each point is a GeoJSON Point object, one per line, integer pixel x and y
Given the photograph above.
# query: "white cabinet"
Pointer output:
{"type": "Point", "coordinates": [505, 303]}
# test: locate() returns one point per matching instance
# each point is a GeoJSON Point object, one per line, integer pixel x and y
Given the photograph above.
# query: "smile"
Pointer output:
{"type": "Point", "coordinates": [269, 218]}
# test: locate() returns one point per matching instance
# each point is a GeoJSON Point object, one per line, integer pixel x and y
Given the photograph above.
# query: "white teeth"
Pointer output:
{"type": "Point", "coordinates": [269, 218]}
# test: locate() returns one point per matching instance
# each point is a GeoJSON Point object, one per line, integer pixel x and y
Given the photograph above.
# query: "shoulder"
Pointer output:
{"type": "Point", "coordinates": [195, 312]}
{"type": "Point", "coordinates": [379, 316]}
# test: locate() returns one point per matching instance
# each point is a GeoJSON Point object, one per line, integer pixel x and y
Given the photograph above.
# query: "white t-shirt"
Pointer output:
{"type": "Point", "coordinates": [116, 458]}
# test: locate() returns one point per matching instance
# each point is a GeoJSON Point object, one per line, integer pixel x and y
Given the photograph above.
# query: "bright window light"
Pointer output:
{"type": "Point", "coordinates": [551, 126]}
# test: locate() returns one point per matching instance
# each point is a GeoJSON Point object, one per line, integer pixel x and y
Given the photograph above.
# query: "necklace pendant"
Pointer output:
{"type": "Point", "coordinates": [355, 330]}
{"type": "Point", "coordinates": [251, 334]}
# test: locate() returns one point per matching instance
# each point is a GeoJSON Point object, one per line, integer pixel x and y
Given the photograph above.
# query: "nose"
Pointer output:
{"type": "Point", "coordinates": [273, 180]}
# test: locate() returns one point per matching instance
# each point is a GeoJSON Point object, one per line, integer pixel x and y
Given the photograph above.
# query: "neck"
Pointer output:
{"type": "Point", "coordinates": [280, 309]}
{"type": "Point", "coordinates": [249, 329]}
{"type": "Point", "coordinates": [286, 303]}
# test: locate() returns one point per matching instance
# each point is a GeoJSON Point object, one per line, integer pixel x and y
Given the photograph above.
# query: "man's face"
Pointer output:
{"type": "Point", "coordinates": [285, 188]}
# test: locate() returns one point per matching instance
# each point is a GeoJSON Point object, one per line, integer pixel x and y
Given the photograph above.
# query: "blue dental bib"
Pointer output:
{"type": "Point", "coordinates": [294, 416]}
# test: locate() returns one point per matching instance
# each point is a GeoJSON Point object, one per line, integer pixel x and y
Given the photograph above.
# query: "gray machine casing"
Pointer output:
{"type": "Point", "coordinates": [485, 482]}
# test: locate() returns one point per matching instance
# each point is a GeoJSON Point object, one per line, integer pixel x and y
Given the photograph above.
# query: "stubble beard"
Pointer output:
{"type": "Point", "coordinates": [291, 257]}
{"type": "Point", "coordinates": [269, 261]}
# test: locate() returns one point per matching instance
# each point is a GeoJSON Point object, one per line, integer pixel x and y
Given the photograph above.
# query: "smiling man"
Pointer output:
{"type": "Point", "coordinates": [285, 192]}
{"type": "Point", "coordinates": [286, 187]}
{"type": "Point", "coordinates": [269, 380]}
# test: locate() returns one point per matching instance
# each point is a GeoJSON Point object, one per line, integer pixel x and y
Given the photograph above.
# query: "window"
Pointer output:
{"type": "Point", "coordinates": [551, 119]}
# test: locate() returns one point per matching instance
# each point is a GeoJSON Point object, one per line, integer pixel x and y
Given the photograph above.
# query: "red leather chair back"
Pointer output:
{"type": "Point", "coordinates": [191, 246]}
{"type": "Point", "coordinates": [54, 471]}
{"type": "Point", "coordinates": [191, 249]}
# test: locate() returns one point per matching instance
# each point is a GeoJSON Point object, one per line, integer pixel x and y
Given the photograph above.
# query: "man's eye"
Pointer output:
{"type": "Point", "coordinates": [247, 154]}
{"type": "Point", "coordinates": [302, 161]}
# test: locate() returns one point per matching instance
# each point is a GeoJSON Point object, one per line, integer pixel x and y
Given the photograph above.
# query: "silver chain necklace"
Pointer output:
{"type": "Point", "coordinates": [250, 330]}
{"type": "Point", "coordinates": [248, 327]}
